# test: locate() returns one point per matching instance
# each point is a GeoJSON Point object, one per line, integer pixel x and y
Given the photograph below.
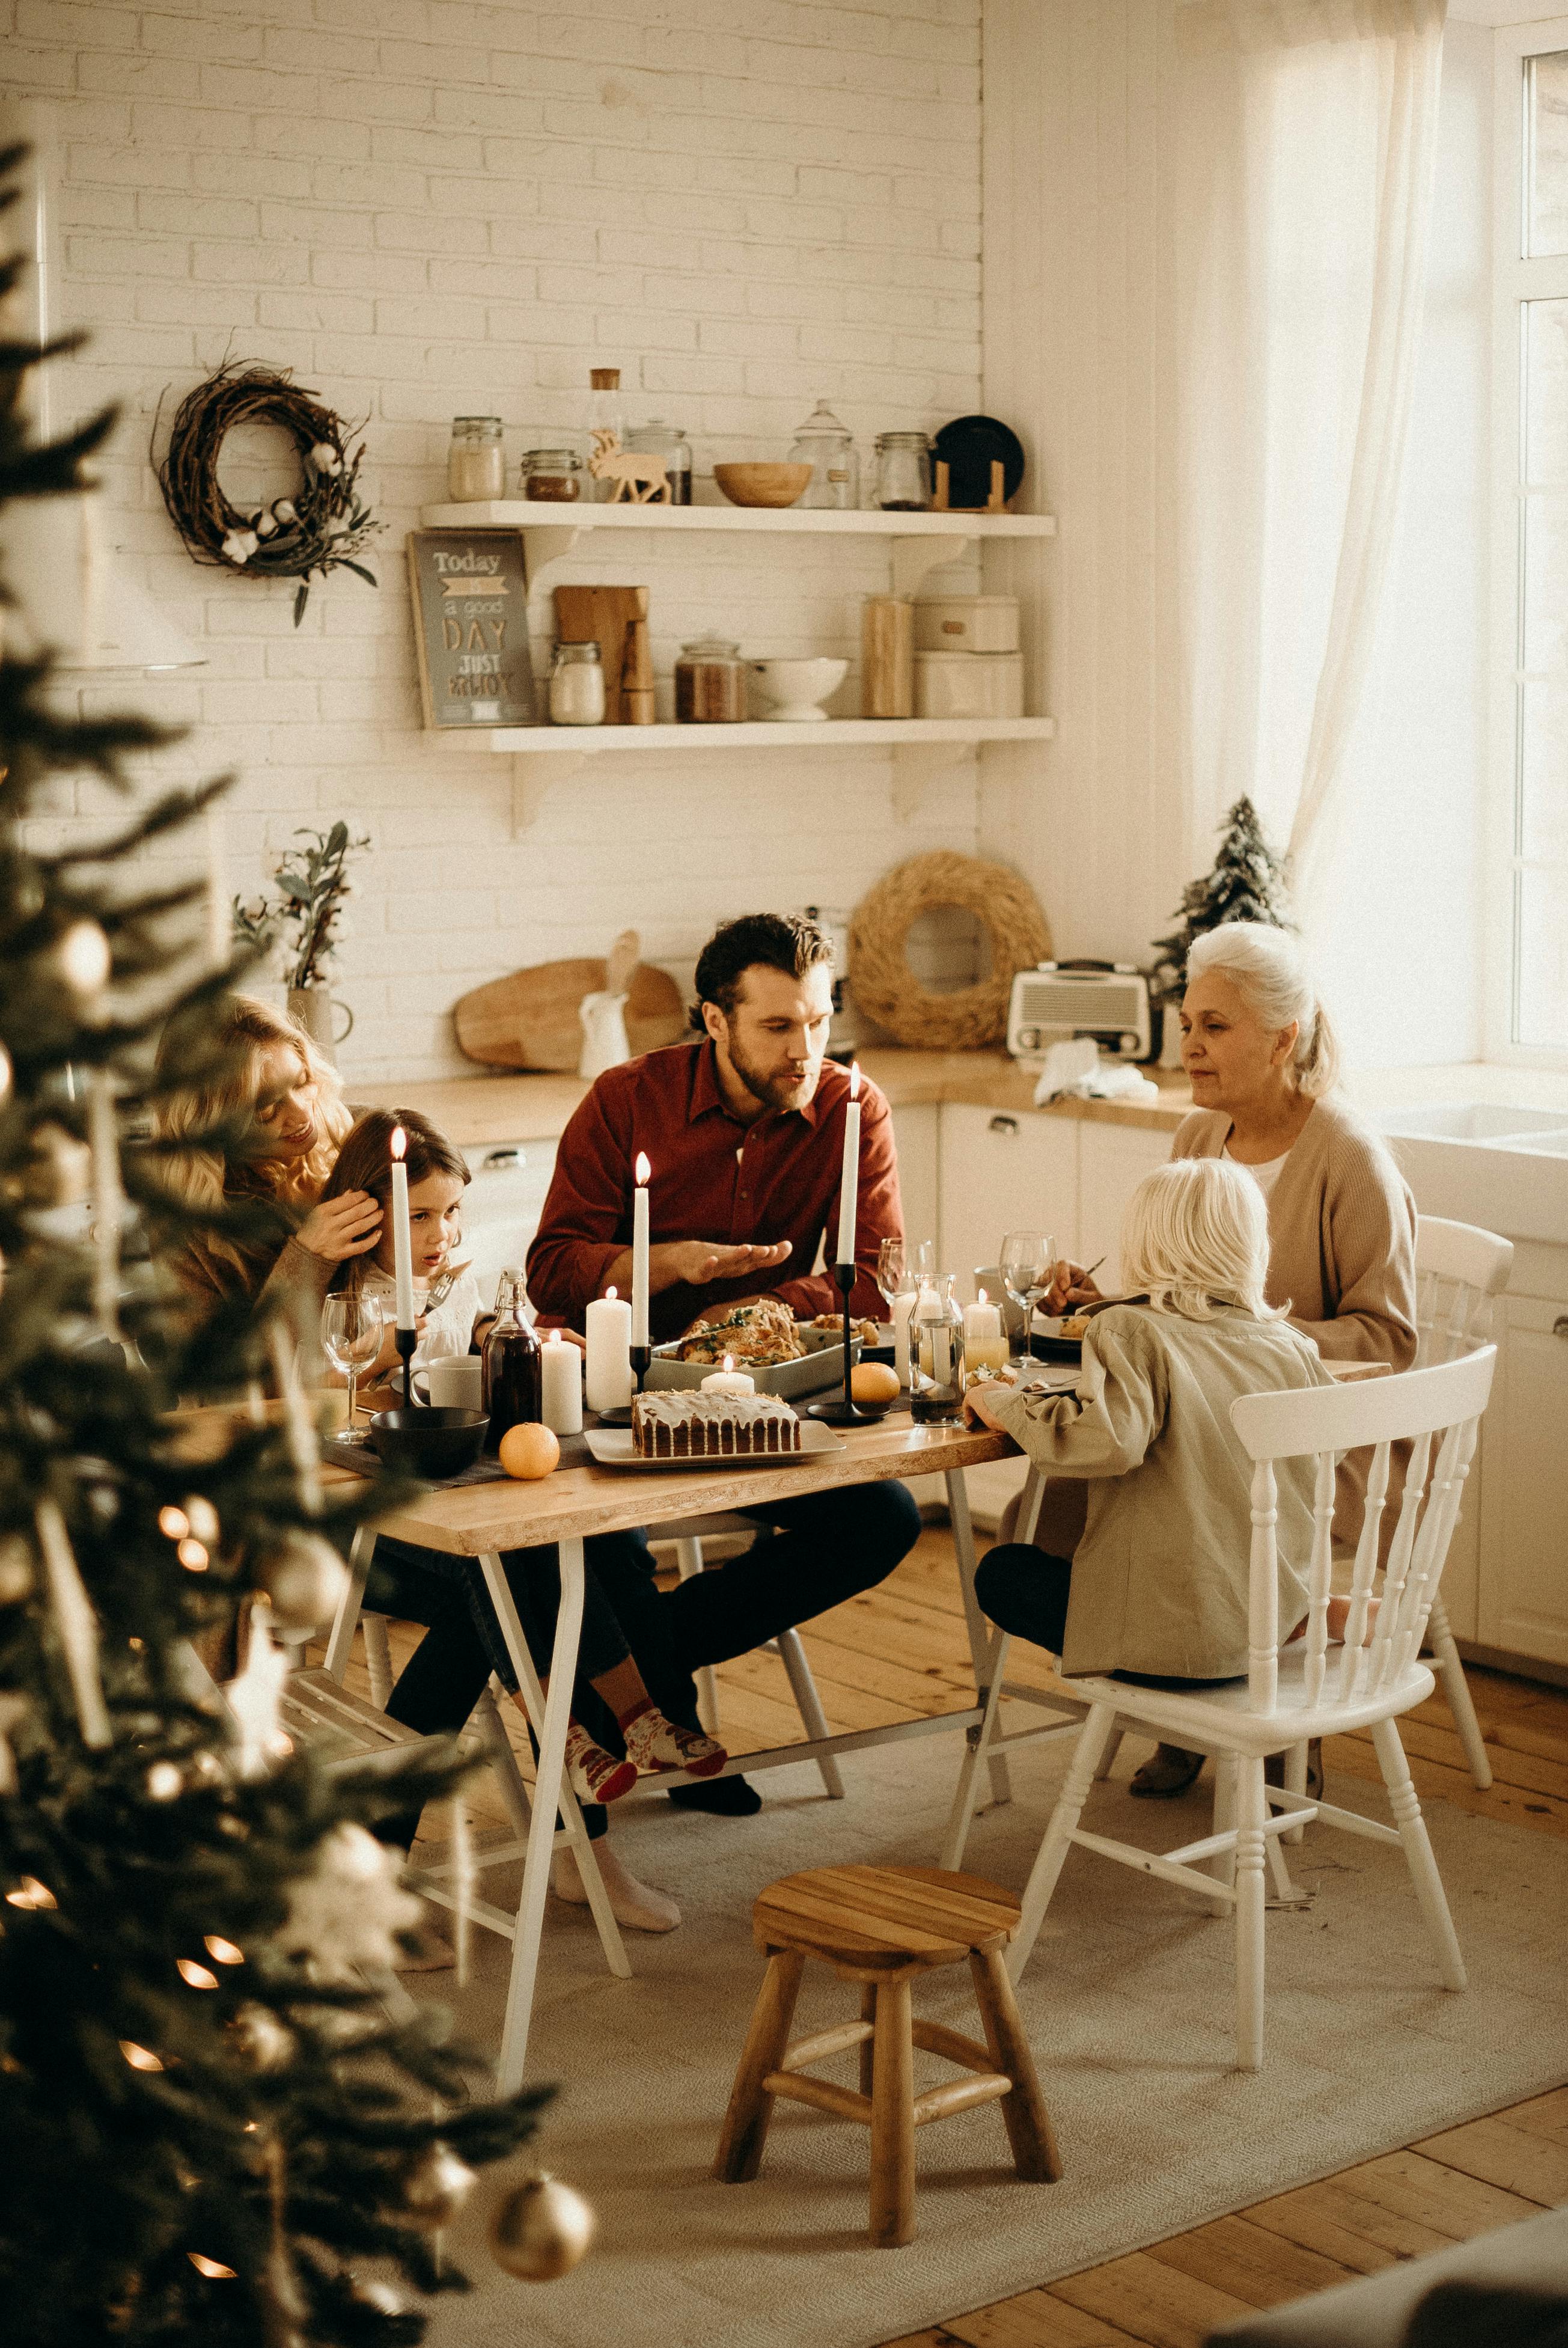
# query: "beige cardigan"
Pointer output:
{"type": "Point", "coordinates": [1159, 1574]}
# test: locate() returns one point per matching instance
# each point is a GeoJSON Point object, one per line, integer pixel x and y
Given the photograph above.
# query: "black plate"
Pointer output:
{"type": "Point", "coordinates": [967, 446]}
{"type": "Point", "coordinates": [1057, 1349]}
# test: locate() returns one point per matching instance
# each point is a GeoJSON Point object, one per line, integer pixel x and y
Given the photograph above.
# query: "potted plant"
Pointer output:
{"type": "Point", "coordinates": [307, 915]}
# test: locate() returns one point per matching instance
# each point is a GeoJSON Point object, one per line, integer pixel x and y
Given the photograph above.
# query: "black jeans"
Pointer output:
{"type": "Point", "coordinates": [810, 1555]}
{"type": "Point", "coordinates": [1024, 1591]}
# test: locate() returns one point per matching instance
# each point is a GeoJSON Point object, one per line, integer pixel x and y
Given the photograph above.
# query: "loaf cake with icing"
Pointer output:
{"type": "Point", "coordinates": [685, 1426]}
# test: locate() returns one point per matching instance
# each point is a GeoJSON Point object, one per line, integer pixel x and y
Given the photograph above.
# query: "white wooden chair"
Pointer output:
{"type": "Point", "coordinates": [1304, 1691]}
{"type": "Point", "coordinates": [1459, 1269]}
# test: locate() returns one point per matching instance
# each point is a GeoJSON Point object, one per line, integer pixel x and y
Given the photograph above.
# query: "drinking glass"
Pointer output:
{"type": "Point", "coordinates": [1026, 1264]}
{"type": "Point", "coordinates": [351, 1339]}
{"type": "Point", "coordinates": [890, 1271]}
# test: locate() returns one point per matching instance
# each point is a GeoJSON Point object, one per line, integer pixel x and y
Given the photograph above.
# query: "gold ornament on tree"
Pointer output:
{"type": "Point", "coordinates": [541, 2230]}
{"type": "Point", "coordinates": [306, 1581]}
{"type": "Point", "coordinates": [439, 2187]}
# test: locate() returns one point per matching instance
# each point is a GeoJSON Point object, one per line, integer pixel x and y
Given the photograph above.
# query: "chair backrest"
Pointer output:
{"type": "Point", "coordinates": [1441, 1404]}
{"type": "Point", "coordinates": [1459, 1268]}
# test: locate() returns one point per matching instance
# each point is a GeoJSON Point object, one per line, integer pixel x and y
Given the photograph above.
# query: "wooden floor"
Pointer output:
{"type": "Point", "coordinates": [901, 1649]}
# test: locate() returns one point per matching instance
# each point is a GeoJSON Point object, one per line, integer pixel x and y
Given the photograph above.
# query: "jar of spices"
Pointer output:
{"type": "Point", "coordinates": [657, 438]}
{"type": "Point", "coordinates": [476, 462]}
{"type": "Point", "coordinates": [577, 686]}
{"type": "Point", "coordinates": [710, 683]}
{"type": "Point", "coordinates": [825, 444]}
{"type": "Point", "coordinates": [555, 476]}
{"type": "Point", "coordinates": [903, 472]}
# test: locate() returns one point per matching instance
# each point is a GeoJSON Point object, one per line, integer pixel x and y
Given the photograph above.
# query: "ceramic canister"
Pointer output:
{"type": "Point", "coordinates": [968, 685]}
{"type": "Point", "coordinates": [966, 623]}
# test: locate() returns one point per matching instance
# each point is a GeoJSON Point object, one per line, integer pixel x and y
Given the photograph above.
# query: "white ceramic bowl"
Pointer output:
{"type": "Point", "coordinates": [794, 689]}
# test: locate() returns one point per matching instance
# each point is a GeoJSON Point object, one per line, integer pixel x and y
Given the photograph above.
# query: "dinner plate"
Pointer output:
{"type": "Point", "coordinates": [966, 446]}
{"type": "Point", "coordinates": [612, 1447]}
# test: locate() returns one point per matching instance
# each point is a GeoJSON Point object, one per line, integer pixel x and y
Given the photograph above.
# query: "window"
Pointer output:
{"type": "Point", "coordinates": [1530, 639]}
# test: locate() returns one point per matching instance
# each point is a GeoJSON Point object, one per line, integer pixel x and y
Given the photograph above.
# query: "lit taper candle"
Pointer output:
{"type": "Point", "coordinates": [849, 1184]}
{"type": "Point", "coordinates": [402, 1244]}
{"type": "Point", "coordinates": [640, 1252]}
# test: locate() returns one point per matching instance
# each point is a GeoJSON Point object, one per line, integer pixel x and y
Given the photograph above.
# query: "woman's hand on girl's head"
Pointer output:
{"type": "Point", "coordinates": [339, 1228]}
{"type": "Point", "coordinates": [1071, 1286]}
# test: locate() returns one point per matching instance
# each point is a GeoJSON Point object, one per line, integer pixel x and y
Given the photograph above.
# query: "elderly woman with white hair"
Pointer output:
{"type": "Point", "coordinates": [1260, 1055]}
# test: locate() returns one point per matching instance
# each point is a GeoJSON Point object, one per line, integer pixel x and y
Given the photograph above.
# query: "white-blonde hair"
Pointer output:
{"type": "Point", "coordinates": [1268, 970]}
{"type": "Point", "coordinates": [1195, 1237]}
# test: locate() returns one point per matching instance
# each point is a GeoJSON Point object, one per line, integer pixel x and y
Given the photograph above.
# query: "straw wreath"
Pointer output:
{"type": "Point", "coordinates": [322, 528]}
{"type": "Point", "coordinates": [887, 990]}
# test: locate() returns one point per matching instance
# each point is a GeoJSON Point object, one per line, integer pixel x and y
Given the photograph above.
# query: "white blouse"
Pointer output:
{"type": "Point", "coordinates": [449, 1329]}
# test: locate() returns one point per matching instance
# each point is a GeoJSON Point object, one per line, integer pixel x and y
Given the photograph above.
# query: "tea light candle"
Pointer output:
{"type": "Point", "coordinates": [985, 1339]}
{"type": "Point", "coordinates": [608, 1321]}
{"type": "Point", "coordinates": [561, 1389]}
{"type": "Point", "coordinates": [849, 1180]}
{"type": "Point", "coordinates": [640, 1252]}
{"type": "Point", "coordinates": [729, 1380]}
{"type": "Point", "coordinates": [901, 1312]}
{"type": "Point", "coordinates": [402, 1245]}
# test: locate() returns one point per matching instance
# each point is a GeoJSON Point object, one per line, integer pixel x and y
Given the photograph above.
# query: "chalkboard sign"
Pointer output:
{"type": "Point", "coordinates": [471, 627]}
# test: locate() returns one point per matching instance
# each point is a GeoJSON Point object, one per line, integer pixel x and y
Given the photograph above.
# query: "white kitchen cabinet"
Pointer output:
{"type": "Point", "coordinates": [1522, 1595]}
{"type": "Point", "coordinates": [1000, 1173]}
{"type": "Point", "coordinates": [502, 1204]}
{"type": "Point", "coordinates": [915, 1130]}
{"type": "Point", "coordinates": [1112, 1159]}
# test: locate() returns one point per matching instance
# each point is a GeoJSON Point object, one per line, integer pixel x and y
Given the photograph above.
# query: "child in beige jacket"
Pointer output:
{"type": "Point", "coordinates": [1157, 1586]}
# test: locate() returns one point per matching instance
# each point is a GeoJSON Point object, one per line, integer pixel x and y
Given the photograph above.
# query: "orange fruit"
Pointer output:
{"type": "Point", "coordinates": [529, 1452]}
{"type": "Point", "coordinates": [874, 1382]}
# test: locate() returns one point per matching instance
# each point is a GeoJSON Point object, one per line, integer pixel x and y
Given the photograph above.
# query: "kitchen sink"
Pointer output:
{"type": "Point", "coordinates": [1473, 1121]}
{"type": "Point", "coordinates": [1503, 1167]}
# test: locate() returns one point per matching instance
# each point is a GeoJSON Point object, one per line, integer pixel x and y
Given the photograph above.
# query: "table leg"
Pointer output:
{"type": "Point", "coordinates": [986, 1647]}
{"type": "Point", "coordinates": [339, 1645]}
{"type": "Point", "coordinates": [577, 1834]}
{"type": "Point", "coordinates": [548, 1782]}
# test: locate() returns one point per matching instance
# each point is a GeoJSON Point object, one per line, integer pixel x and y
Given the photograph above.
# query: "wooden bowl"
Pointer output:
{"type": "Point", "coordinates": [763, 485]}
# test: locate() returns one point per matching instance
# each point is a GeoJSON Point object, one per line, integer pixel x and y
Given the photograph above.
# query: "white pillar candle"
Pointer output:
{"type": "Point", "coordinates": [849, 1180]}
{"type": "Point", "coordinates": [609, 1325]}
{"type": "Point", "coordinates": [640, 1253]}
{"type": "Point", "coordinates": [729, 1380]}
{"type": "Point", "coordinates": [402, 1244]}
{"type": "Point", "coordinates": [902, 1312]}
{"type": "Point", "coordinates": [982, 1319]}
{"type": "Point", "coordinates": [561, 1393]}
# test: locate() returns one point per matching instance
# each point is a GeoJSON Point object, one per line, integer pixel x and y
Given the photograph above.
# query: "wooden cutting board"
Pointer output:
{"type": "Point", "coordinates": [603, 615]}
{"type": "Point", "coordinates": [529, 1020]}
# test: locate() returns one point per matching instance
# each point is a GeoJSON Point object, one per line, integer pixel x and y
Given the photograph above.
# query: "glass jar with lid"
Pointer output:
{"type": "Point", "coordinates": [554, 476]}
{"type": "Point", "coordinates": [657, 438]}
{"type": "Point", "coordinates": [825, 444]}
{"type": "Point", "coordinates": [903, 472]}
{"type": "Point", "coordinates": [475, 461]}
{"type": "Point", "coordinates": [577, 686]}
{"type": "Point", "coordinates": [709, 683]}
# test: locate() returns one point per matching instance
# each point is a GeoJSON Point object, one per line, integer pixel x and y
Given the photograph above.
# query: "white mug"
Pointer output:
{"type": "Point", "coordinates": [454, 1382]}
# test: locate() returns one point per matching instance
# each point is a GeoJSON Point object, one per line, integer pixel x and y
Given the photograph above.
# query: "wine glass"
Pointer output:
{"type": "Point", "coordinates": [352, 1329]}
{"type": "Point", "coordinates": [1026, 1264]}
{"type": "Point", "coordinates": [890, 1271]}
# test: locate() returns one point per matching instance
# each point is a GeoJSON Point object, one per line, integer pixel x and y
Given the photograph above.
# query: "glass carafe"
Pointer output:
{"type": "Point", "coordinates": [937, 1357]}
{"type": "Point", "coordinates": [826, 445]}
{"type": "Point", "coordinates": [512, 1380]}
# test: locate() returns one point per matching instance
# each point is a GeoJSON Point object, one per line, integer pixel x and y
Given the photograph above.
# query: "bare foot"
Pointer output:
{"type": "Point", "coordinates": [640, 1907]}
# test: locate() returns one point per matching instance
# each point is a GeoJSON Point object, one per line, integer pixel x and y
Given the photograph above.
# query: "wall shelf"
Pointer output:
{"type": "Point", "coordinates": [832, 733]}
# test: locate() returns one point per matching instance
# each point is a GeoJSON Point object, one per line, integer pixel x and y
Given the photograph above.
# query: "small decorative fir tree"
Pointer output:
{"type": "Point", "coordinates": [1247, 884]}
{"type": "Point", "coordinates": [212, 2102]}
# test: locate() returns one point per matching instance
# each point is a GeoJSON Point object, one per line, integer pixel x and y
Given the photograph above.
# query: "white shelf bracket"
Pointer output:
{"type": "Point", "coordinates": [913, 558]}
{"type": "Point", "coordinates": [533, 777]}
{"type": "Point", "coordinates": [547, 542]}
{"type": "Point", "coordinates": [922, 768]}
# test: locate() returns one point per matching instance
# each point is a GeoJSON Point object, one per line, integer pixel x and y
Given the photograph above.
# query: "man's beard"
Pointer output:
{"type": "Point", "coordinates": [774, 1091]}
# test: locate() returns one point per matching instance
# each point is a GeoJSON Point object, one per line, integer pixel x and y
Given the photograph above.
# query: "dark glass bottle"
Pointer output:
{"type": "Point", "coordinates": [512, 1377]}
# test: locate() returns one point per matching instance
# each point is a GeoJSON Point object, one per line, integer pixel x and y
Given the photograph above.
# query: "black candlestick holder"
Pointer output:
{"type": "Point", "coordinates": [843, 1410]}
{"type": "Point", "coordinates": [641, 1357]}
{"type": "Point", "coordinates": [406, 1340]}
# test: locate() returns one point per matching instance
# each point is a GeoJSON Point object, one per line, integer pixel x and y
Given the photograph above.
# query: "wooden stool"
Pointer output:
{"type": "Point", "coordinates": [881, 1926]}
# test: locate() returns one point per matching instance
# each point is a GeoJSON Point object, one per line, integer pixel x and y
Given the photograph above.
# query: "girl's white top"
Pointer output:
{"type": "Point", "coordinates": [449, 1329]}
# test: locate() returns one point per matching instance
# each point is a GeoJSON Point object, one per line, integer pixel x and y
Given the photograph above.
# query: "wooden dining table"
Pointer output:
{"type": "Point", "coordinates": [564, 1509]}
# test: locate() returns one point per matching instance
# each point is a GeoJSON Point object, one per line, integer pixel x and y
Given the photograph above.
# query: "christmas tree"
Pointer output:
{"type": "Point", "coordinates": [216, 2104]}
{"type": "Point", "coordinates": [1247, 884]}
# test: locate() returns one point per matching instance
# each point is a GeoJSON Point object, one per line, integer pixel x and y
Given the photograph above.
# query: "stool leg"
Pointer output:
{"type": "Point", "coordinates": [1030, 2132]}
{"type": "Point", "coordinates": [746, 2129]}
{"type": "Point", "coordinates": [867, 2013]}
{"type": "Point", "coordinates": [893, 2119]}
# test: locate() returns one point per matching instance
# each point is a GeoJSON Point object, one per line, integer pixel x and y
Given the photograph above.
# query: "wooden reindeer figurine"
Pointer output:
{"type": "Point", "coordinates": [639, 480]}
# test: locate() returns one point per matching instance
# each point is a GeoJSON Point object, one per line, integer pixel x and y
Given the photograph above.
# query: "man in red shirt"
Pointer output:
{"type": "Point", "coordinates": [744, 1130]}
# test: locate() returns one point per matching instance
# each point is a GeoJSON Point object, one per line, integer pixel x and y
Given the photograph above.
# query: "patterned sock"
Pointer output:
{"type": "Point", "coordinates": [595, 1774]}
{"type": "Point", "coordinates": [657, 1744]}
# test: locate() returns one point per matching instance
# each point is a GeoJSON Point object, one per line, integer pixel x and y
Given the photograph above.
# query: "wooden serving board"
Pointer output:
{"type": "Point", "coordinates": [603, 615]}
{"type": "Point", "coordinates": [531, 1019]}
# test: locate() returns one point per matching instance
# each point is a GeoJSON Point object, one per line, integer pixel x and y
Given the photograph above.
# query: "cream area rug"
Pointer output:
{"type": "Point", "coordinates": [1128, 2002]}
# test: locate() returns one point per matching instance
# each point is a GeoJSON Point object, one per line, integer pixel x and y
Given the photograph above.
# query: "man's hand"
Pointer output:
{"type": "Point", "coordinates": [1070, 1287]}
{"type": "Point", "coordinates": [695, 1264]}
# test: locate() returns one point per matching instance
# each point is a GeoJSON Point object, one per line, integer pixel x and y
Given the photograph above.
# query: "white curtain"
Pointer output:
{"type": "Point", "coordinates": [1306, 144]}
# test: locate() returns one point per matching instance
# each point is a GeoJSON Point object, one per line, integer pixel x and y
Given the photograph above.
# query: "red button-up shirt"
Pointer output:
{"type": "Point", "coordinates": [712, 1178]}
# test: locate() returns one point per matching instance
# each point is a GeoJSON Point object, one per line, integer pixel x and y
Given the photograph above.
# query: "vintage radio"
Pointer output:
{"type": "Point", "coordinates": [1106, 1001]}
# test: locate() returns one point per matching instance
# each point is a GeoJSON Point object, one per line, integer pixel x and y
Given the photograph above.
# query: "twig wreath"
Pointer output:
{"type": "Point", "coordinates": [322, 528]}
{"type": "Point", "coordinates": [887, 990]}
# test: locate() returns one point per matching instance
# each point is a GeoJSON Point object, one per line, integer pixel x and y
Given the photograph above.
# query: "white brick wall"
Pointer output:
{"type": "Point", "coordinates": [430, 206]}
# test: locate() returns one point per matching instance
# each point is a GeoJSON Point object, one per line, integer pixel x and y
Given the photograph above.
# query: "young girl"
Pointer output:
{"type": "Point", "coordinates": [437, 1178]}
{"type": "Point", "coordinates": [1157, 1586]}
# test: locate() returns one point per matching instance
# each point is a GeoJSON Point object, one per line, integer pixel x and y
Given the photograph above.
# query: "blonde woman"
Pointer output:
{"type": "Point", "coordinates": [1157, 1585]}
{"type": "Point", "coordinates": [1260, 1054]}
{"type": "Point", "coordinates": [272, 1075]}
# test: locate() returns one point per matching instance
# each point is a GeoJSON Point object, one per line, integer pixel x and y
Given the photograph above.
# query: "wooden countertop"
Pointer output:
{"type": "Point", "coordinates": [483, 1109]}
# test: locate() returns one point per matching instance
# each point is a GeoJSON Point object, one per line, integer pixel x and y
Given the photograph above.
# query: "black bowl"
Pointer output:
{"type": "Point", "coordinates": [429, 1442]}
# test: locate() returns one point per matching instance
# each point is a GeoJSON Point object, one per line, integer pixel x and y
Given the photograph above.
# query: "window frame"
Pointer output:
{"type": "Point", "coordinates": [1515, 281]}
